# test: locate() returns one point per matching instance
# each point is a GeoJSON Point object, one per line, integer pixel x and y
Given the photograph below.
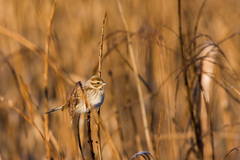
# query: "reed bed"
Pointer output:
{"type": "Point", "coordinates": [171, 68]}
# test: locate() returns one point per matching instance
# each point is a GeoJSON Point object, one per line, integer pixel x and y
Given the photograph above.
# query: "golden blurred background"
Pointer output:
{"type": "Point", "coordinates": [210, 58]}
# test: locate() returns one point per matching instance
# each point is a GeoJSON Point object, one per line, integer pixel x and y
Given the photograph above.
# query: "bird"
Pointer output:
{"type": "Point", "coordinates": [84, 97]}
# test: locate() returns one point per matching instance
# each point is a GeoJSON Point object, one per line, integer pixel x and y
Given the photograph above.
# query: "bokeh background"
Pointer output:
{"type": "Point", "coordinates": [74, 49]}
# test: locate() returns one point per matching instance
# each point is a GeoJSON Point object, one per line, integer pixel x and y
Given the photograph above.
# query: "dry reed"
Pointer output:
{"type": "Point", "coordinates": [45, 78]}
{"type": "Point", "coordinates": [177, 60]}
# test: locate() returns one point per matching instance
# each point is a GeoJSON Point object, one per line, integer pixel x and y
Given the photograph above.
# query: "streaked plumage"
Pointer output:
{"type": "Point", "coordinates": [94, 94]}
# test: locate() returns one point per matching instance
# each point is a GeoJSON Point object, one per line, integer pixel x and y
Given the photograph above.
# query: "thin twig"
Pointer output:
{"type": "Point", "coordinates": [234, 149]}
{"type": "Point", "coordinates": [146, 155]}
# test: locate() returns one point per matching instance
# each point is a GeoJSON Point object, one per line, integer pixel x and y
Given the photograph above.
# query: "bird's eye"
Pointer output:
{"type": "Point", "coordinates": [98, 83]}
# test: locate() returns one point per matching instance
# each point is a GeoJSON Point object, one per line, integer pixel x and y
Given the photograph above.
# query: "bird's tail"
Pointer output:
{"type": "Point", "coordinates": [55, 109]}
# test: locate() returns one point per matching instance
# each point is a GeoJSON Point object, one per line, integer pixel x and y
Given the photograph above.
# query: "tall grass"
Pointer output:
{"type": "Point", "coordinates": [171, 68]}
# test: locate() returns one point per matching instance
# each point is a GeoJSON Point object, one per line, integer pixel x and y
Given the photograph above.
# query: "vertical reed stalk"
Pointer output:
{"type": "Point", "coordinates": [88, 120]}
{"type": "Point", "coordinates": [45, 76]}
{"type": "Point", "coordinates": [187, 87]}
{"type": "Point", "coordinates": [210, 121]}
{"type": "Point", "coordinates": [106, 134]}
{"type": "Point", "coordinates": [79, 138]}
{"type": "Point", "coordinates": [100, 74]}
{"type": "Point", "coordinates": [135, 71]}
{"type": "Point", "coordinates": [101, 48]}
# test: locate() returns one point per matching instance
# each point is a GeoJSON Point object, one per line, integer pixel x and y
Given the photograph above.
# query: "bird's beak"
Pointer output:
{"type": "Point", "coordinates": [104, 84]}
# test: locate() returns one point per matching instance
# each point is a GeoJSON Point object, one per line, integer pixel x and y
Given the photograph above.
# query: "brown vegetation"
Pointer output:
{"type": "Point", "coordinates": [171, 68]}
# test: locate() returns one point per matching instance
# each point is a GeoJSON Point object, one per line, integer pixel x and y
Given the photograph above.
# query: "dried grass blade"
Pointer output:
{"type": "Point", "coordinates": [19, 112]}
{"type": "Point", "coordinates": [45, 76]}
{"type": "Point", "coordinates": [135, 71]}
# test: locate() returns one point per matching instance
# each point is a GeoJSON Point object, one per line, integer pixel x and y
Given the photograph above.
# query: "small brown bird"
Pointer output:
{"type": "Point", "coordinates": [92, 94]}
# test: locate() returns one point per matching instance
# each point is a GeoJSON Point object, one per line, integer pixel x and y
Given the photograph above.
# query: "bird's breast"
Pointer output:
{"type": "Point", "coordinates": [96, 97]}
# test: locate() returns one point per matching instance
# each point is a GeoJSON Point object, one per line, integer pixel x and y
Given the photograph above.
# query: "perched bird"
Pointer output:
{"type": "Point", "coordinates": [82, 96]}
